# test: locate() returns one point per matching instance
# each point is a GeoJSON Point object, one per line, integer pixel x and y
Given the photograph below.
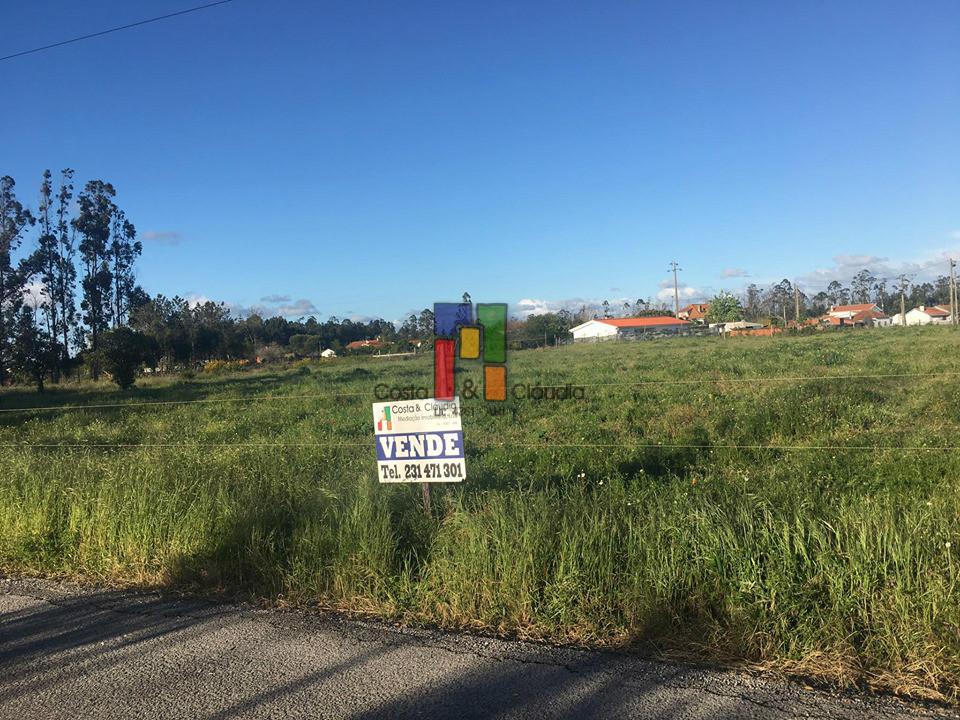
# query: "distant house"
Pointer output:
{"type": "Point", "coordinates": [328, 353]}
{"type": "Point", "coordinates": [737, 326]}
{"type": "Point", "coordinates": [696, 312]}
{"type": "Point", "coordinates": [846, 312]}
{"type": "Point", "coordinates": [925, 315]}
{"type": "Point", "coordinates": [616, 328]}
{"type": "Point", "coordinates": [755, 332]}
{"type": "Point", "coordinates": [860, 315]}
{"type": "Point", "coordinates": [364, 344]}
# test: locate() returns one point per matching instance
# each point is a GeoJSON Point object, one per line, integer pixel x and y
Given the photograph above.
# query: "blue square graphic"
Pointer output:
{"type": "Point", "coordinates": [447, 316]}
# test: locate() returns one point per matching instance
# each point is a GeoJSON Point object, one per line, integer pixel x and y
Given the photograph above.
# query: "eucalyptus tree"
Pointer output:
{"type": "Point", "coordinates": [63, 290]}
{"type": "Point", "coordinates": [14, 219]}
{"type": "Point", "coordinates": [863, 286]}
{"type": "Point", "coordinates": [52, 262]}
{"type": "Point", "coordinates": [34, 355]}
{"type": "Point", "coordinates": [93, 224]}
{"type": "Point", "coordinates": [123, 251]}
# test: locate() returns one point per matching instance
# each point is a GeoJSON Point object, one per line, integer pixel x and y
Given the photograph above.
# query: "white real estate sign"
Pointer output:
{"type": "Point", "coordinates": [419, 441]}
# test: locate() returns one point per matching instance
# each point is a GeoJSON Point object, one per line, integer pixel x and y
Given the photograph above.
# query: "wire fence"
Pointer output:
{"type": "Point", "coordinates": [192, 401]}
{"type": "Point", "coordinates": [498, 446]}
{"type": "Point", "coordinates": [495, 445]}
{"type": "Point", "coordinates": [372, 396]}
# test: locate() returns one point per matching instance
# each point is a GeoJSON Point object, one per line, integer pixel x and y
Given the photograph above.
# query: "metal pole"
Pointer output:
{"type": "Point", "coordinates": [903, 307]}
{"type": "Point", "coordinates": [676, 288]}
{"type": "Point", "coordinates": [953, 293]}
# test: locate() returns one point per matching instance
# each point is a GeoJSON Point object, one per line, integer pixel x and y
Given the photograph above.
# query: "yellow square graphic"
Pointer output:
{"type": "Point", "coordinates": [494, 382]}
{"type": "Point", "coordinates": [469, 343]}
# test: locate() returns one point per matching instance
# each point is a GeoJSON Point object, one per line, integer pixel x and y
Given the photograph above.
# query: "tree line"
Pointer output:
{"type": "Point", "coordinates": [774, 304]}
{"type": "Point", "coordinates": [70, 305]}
{"type": "Point", "coordinates": [74, 285]}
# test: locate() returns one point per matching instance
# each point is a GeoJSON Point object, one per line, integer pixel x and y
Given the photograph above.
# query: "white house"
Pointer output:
{"type": "Point", "coordinates": [925, 315]}
{"type": "Point", "coordinates": [737, 325]}
{"type": "Point", "coordinates": [849, 312]}
{"type": "Point", "coordinates": [328, 353]}
{"type": "Point", "coordinates": [615, 328]}
{"type": "Point", "coordinates": [852, 315]}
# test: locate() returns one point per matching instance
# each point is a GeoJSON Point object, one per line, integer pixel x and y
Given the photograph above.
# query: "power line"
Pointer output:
{"type": "Point", "coordinates": [114, 29]}
{"type": "Point", "coordinates": [338, 396]}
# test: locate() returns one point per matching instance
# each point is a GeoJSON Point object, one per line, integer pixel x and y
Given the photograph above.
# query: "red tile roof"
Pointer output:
{"type": "Point", "coordinates": [643, 322]}
{"type": "Point", "coordinates": [853, 308]}
{"type": "Point", "coordinates": [356, 344]}
{"type": "Point", "coordinates": [868, 315]}
{"type": "Point", "coordinates": [857, 317]}
{"type": "Point", "coordinates": [696, 311]}
{"type": "Point", "coordinates": [936, 312]}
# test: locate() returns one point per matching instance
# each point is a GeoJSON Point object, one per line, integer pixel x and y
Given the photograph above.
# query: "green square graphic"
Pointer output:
{"type": "Point", "coordinates": [493, 318]}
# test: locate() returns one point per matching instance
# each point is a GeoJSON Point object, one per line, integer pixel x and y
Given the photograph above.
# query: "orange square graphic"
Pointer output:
{"type": "Point", "coordinates": [494, 382]}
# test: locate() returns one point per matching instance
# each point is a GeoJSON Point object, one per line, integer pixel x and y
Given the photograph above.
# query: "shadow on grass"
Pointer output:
{"type": "Point", "coordinates": [232, 390]}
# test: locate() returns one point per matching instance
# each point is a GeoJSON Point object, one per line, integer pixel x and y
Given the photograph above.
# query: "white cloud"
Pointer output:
{"type": "Point", "coordinates": [734, 273]}
{"type": "Point", "coordinates": [685, 291]}
{"type": "Point", "coordinates": [536, 306]}
{"type": "Point", "coordinates": [297, 308]}
{"type": "Point", "coordinates": [593, 306]}
{"type": "Point", "coordinates": [531, 306]}
{"type": "Point", "coordinates": [276, 306]}
{"type": "Point", "coordinates": [193, 299]}
{"type": "Point", "coordinates": [162, 237]}
{"type": "Point", "coordinates": [34, 294]}
{"type": "Point", "coordinates": [924, 268]}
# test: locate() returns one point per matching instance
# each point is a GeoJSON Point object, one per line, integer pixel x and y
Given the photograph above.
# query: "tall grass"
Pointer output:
{"type": "Point", "coordinates": [841, 564]}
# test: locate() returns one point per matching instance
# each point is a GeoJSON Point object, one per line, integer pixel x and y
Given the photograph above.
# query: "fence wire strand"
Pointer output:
{"type": "Point", "coordinates": [339, 396]}
{"type": "Point", "coordinates": [498, 446]}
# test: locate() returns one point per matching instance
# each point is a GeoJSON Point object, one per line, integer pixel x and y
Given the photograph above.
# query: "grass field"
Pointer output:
{"type": "Point", "coordinates": [622, 519]}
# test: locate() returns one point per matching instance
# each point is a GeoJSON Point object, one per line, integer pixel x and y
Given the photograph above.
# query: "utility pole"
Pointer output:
{"type": "Point", "coordinates": [903, 308]}
{"type": "Point", "coordinates": [676, 288]}
{"type": "Point", "coordinates": [953, 293]}
{"type": "Point", "coordinates": [796, 303]}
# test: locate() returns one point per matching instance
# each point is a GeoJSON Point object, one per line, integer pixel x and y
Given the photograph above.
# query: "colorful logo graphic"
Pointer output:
{"type": "Point", "coordinates": [481, 338]}
{"type": "Point", "coordinates": [385, 420]}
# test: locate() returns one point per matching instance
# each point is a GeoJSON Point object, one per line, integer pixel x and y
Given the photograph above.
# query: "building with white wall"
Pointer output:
{"type": "Point", "coordinates": [620, 328]}
{"type": "Point", "coordinates": [925, 315]}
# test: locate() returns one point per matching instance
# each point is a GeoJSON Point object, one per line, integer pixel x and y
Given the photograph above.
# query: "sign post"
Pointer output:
{"type": "Point", "coordinates": [425, 489]}
{"type": "Point", "coordinates": [420, 441]}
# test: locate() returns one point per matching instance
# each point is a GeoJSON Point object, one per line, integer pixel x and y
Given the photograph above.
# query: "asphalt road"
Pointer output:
{"type": "Point", "coordinates": [69, 652]}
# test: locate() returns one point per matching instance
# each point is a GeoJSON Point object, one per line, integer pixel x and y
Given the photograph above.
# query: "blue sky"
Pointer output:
{"type": "Point", "coordinates": [368, 158]}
